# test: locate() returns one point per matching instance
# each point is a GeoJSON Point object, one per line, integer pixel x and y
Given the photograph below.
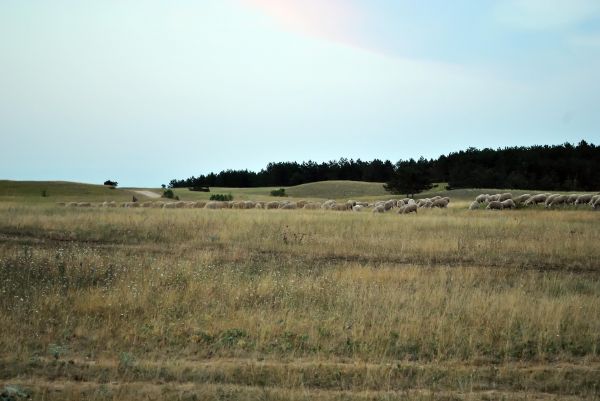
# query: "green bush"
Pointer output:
{"type": "Point", "coordinates": [278, 192]}
{"type": "Point", "coordinates": [168, 193]}
{"type": "Point", "coordinates": [221, 197]}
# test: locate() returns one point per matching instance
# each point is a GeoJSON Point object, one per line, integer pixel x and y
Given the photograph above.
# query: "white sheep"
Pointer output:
{"type": "Point", "coordinates": [508, 204]}
{"type": "Point", "coordinates": [505, 196]}
{"type": "Point", "coordinates": [379, 209]}
{"type": "Point", "coordinates": [474, 205]}
{"type": "Point", "coordinates": [441, 203]}
{"type": "Point", "coordinates": [357, 208]}
{"type": "Point", "coordinates": [522, 198]}
{"type": "Point", "coordinates": [408, 209]}
{"type": "Point", "coordinates": [483, 198]}
{"type": "Point", "coordinates": [289, 206]}
{"type": "Point", "coordinates": [312, 206]}
{"type": "Point", "coordinates": [535, 199]}
{"type": "Point", "coordinates": [583, 199]}
{"type": "Point", "coordinates": [558, 200]}
{"type": "Point", "coordinates": [494, 205]}
{"type": "Point", "coordinates": [214, 205]}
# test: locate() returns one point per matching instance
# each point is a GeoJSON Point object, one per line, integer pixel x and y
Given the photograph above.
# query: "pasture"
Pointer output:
{"type": "Point", "coordinates": [195, 304]}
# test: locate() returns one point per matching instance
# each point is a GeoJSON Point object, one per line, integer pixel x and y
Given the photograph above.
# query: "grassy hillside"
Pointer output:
{"type": "Point", "coordinates": [61, 191]}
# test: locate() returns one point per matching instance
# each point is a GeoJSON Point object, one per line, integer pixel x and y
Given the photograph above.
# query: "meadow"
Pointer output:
{"type": "Point", "coordinates": [194, 304]}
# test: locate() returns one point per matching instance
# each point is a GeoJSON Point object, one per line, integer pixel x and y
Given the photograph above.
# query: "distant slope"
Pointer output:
{"type": "Point", "coordinates": [337, 190]}
{"type": "Point", "coordinates": [60, 191]}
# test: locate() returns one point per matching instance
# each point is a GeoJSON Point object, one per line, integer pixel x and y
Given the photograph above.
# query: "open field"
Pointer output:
{"type": "Point", "coordinates": [192, 304]}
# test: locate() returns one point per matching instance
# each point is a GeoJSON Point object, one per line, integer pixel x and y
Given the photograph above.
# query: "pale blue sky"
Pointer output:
{"type": "Point", "coordinates": [143, 92]}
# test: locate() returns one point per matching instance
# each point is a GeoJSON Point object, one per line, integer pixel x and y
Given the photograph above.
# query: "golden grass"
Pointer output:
{"type": "Point", "coordinates": [299, 304]}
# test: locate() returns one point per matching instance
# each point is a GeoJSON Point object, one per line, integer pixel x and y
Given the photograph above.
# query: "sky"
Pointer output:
{"type": "Point", "coordinates": [142, 92]}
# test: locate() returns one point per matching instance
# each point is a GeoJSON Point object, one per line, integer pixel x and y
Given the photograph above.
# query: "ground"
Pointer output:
{"type": "Point", "coordinates": [138, 304]}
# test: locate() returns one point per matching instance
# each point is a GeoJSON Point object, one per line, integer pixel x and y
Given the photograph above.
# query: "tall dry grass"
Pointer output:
{"type": "Point", "coordinates": [173, 295]}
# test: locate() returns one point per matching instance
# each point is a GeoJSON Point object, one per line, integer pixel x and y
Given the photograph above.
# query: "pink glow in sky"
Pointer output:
{"type": "Point", "coordinates": [337, 20]}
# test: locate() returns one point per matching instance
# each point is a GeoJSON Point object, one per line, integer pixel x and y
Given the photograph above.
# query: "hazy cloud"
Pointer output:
{"type": "Point", "coordinates": [546, 14]}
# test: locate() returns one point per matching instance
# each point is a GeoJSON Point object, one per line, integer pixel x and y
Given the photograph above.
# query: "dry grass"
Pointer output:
{"type": "Point", "coordinates": [255, 304]}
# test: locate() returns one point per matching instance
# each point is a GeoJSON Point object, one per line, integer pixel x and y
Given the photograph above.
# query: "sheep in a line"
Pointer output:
{"type": "Point", "coordinates": [289, 206]}
{"type": "Point", "coordinates": [474, 205]}
{"type": "Point", "coordinates": [536, 199]}
{"type": "Point", "coordinates": [482, 198]}
{"type": "Point", "coordinates": [557, 200]}
{"type": "Point", "coordinates": [408, 209]}
{"type": "Point", "coordinates": [495, 205]}
{"type": "Point", "coordinates": [215, 205]}
{"type": "Point", "coordinates": [583, 199]}
{"type": "Point", "coordinates": [505, 196]}
{"type": "Point", "coordinates": [379, 209]}
{"type": "Point", "coordinates": [521, 198]}
{"type": "Point", "coordinates": [441, 203]}
{"type": "Point", "coordinates": [357, 208]}
{"type": "Point", "coordinates": [508, 204]}
{"type": "Point", "coordinates": [312, 206]}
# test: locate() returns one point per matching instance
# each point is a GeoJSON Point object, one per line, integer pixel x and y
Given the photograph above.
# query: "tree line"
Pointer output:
{"type": "Point", "coordinates": [565, 167]}
{"type": "Point", "coordinates": [284, 174]}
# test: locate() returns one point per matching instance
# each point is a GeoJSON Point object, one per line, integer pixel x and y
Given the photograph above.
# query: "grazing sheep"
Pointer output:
{"type": "Point", "coordinates": [508, 204]}
{"type": "Point", "coordinates": [312, 206]}
{"type": "Point", "coordinates": [84, 204]}
{"type": "Point", "coordinates": [535, 199]}
{"type": "Point", "coordinates": [483, 198]}
{"type": "Point", "coordinates": [357, 208]}
{"type": "Point", "coordinates": [474, 205]}
{"type": "Point", "coordinates": [214, 205]}
{"type": "Point", "coordinates": [583, 199]}
{"type": "Point", "coordinates": [379, 209]}
{"type": "Point", "coordinates": [341, 207]}
{"type": "Point", "coordinates": [422, 202]}
{"type": "Point", "coordinates": [301, 204]}
{"type": "Point", "coordinates": [408, 209]}
{"type": "Point", "coordinates": [522, 198]}
{"type": "Point", "coordinates": [571, 199]}
{"type": "Point", "coordinates": [556, 200]}
{"type": "Point", "coordinates": [550, 198]}
{"type": "Point", "coordinates": [351, 203]}
{"type": "Point", "coordinates": [363, 204]}
{"type": "Point", "coordinates": [494, 205]}
{"type": "Point", "coordinates": [169, 205]}
{"type": "Point", "coordinates": [441, 203]}
{"type": "Point", "coordinates": [505, 196]}
{"type": "Point", "coordinates": [272, 205]}
{"type": "Point", "coordinates": [389, 204]}
{"type": "Point", "coordinates": [328, 204]}
{"type": "Point", "coordinates": [200, 205]}
{"type": "Point", "coordinates": [494, 198]}
{"type": "Point", "coordinates": [289, 206]}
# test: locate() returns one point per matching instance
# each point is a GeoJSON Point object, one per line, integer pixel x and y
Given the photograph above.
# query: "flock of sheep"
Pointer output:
{"type": "Point", "coordinates": [506, 201]}
{"type": "Point", "coordinates": [402, 206]}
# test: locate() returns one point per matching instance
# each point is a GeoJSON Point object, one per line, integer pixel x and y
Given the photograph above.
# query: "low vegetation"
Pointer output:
{"type": "Point", "coordinates": [101, 303]}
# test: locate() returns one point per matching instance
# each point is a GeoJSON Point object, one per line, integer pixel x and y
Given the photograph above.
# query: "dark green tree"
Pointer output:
{"type": "Point", "coordinates": [410, 177]}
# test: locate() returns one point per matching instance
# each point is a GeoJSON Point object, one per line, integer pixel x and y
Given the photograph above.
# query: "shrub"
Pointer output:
{"type": "Point", "coordinates": [168, 193]}
{"type": "Point", "coordinates": [221, 197]}
{"type": "Point", "coordinates": [278, 192]}
{"type": "Point", "coordinates": [110, 183]}
{"type": "Point", "coordinates": [44, 193]}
